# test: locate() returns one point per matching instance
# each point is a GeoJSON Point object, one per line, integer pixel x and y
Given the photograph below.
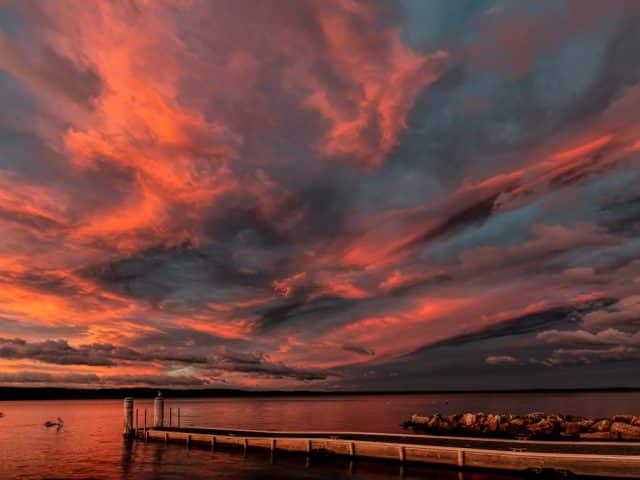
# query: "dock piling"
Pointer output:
{"type": "Point", "coordinates": [128, 417]}
{"type": "Point", "coordinates": [170, 416]}
{"type": "Point", "coordinates": [158, 410]}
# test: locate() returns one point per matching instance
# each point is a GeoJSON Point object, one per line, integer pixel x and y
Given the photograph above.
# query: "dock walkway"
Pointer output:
{"type": "Point", "coordinates": [603, 459]}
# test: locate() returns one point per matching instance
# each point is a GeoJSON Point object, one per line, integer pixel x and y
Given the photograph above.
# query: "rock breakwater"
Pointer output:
{"type": "Point", "coordinates": [539, 426]}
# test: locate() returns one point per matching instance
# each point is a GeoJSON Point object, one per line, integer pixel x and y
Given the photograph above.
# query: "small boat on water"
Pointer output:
{"type": "Point", "coordinates": [59, 423]}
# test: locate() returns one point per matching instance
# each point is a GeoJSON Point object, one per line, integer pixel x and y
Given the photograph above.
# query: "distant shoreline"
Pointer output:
{"type": "Point", "coordinates": [61, 393]}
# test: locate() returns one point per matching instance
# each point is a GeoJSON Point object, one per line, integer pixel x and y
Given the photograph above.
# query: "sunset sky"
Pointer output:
{"type": "Point", "coordinates": [284, 194]}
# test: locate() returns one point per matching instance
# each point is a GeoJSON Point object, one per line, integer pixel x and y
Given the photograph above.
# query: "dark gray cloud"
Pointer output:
{"type": "Point", "coordinates": [474, 213]}
{"type": "Point", "coordinates": [30, 377]}
{"type": "Point", "coordinates": [222, 359]}
{"type": "Point", "coordinates": [91, 380]}
{"type": "Point", "coordinates": [259, 364]}
{"type": "Point", "coordinates": [622, 215]}
{"type": "Point", "coordinates": [530, 323]}
{"type": "Point", "coordinates": [96, 354]}
{"type": "Point", "coordinates": [162, 272]}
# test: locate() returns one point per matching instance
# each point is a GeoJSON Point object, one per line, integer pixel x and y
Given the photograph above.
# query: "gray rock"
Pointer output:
{"type": "Point", "coordinates": [601, 425]}
{"type": "Point", "coordinates": [626, 431]}
{"type": "Point", "coordinates": [572, 428]}
{"type": "Point", "coordinates": [534, 425]}
{"type": "Point", "coordinates": [544, 427]}
{"type": "Point", "coordinates": [517, 422]}
{"type": "Point", "coordinates": [468, 419]}
{"type": "Point", "coordinates": [493, 423]}
{"type": "Point", "coordinates": [419, 419]}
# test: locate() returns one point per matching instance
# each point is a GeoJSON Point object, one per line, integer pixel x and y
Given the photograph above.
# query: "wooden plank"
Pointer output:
{"type": "Point", "coordinates": [580, 464]}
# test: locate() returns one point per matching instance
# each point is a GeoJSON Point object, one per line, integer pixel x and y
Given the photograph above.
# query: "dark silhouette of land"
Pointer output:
{"type": "Point", "coordinates": [60, 393]}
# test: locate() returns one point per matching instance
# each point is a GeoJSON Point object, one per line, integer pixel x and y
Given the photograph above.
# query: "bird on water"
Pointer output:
{"type": "Point", "coordinates": [59, 423]}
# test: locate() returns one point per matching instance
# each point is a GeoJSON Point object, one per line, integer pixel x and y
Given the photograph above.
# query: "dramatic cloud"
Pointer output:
{"type": "Point", "coordinates": [319, 193]}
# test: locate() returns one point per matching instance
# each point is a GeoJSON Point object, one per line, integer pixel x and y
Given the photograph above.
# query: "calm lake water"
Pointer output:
{"type": "Point", "coordinates": [90, 445]}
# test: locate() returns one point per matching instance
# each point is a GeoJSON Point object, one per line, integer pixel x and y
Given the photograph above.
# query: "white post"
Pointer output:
{"type": "Point", "coordinates": [128, 417]}
{"type": "Point", "coordinates": [158, 411]}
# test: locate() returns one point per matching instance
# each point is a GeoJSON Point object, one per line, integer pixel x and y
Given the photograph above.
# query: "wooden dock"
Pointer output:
{"type": "Point", "coordinates": [598, 459]}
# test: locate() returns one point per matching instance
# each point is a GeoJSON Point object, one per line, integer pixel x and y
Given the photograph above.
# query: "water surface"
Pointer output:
{"type": "Point", "coordinates": [90, 445]}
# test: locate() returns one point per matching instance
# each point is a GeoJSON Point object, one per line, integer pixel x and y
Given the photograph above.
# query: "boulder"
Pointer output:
{"type": "Point", "coordinates": [571, 428]}
{"type": "Point", "coordinates": [601, 425]}
{"type": "Point", "coordinates": [586, 424]}
{"type": "Point", "coordinates": [468, 419]}
{"type": "Point", "coordinates": [544, 428]}
{"type": "Point", "coordinates": [626, 431]}
{"type": "Point", "coordinates": [535, 417]}
{"type": "Point", "coordinates": [493, 423]}
{"type": "Point", "coordinates": [434, 421]}
{"type": "Point", "coordinates": [517, 422]}
{"type": "Point", "coordinates": [419, 419]}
